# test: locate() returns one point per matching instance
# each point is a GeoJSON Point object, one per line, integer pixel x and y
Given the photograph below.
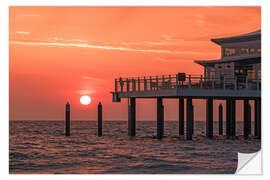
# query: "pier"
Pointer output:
{"type": "Point", "coordinates": [234, 77]}
{"type": "Point", "coordinates": [169, 86]}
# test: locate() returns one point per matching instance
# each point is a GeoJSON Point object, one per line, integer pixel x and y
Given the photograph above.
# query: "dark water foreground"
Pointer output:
{"type": "Point", "coordinates": [41, 147]}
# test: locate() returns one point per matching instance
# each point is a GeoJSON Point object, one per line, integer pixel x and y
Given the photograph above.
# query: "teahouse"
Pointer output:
{"type": "Point", "coordinates": [240, 58]}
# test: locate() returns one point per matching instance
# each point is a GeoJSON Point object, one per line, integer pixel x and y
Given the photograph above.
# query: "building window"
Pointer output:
{"type": "Point", "coordinates": [259, 50]}
{"type": "Point", "coordinates": [251, 50]}
{"type": "Point", "coordinates": [244, 51]}
{"type": "Point", "coordinates": [230, 51]}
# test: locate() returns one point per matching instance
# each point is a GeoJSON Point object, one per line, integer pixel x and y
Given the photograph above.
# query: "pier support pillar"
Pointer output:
{"type": "Point", "coordinates": [257, 118]}
{"type": "Point", "coordinates": [192, 118]}
{"type": "Point", "coordinates": [249, 119]}
{"type": "Point", "coordinates": [189, 119]}
{"type": "Point", "coordinates": [209, 117]}
{"type": "Point", "coordinates": [220, 119]}
{"type": "Point", "coordinates": [132, 117]}
{"type": "Point", "coordinates": [228, 117]}
{"type": "Point", "coordinates": [246, 117]}
{"type": "Point", "coordinates": [160, 118]}
{"type": "Point", "coordinates": [233, 118]}
{"type": "Point", "coordinates": [67, 119]}
{"type": "Point", "coordinates": [99, 119]}
{"type": "Point", "coordinates": [181, 117]}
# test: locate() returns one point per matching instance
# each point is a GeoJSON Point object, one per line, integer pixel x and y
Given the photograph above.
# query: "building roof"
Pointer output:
{"type": "Point", "coordinates": [256, 35]}
{"type": "Point", "coordinates": [228, 59]}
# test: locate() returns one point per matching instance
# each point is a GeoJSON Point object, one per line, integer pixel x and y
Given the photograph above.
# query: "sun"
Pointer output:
{"type": "Point", "coordinates": [85, 100]}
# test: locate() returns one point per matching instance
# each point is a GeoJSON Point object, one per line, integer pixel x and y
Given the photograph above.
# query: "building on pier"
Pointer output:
{"type": "Point", "coordinates": [236, 76]}
{"type": "Point", "coordinates": [240, 58]}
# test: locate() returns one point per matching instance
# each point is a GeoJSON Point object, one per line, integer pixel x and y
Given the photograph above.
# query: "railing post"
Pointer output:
{"type": "Point", "coordinates": [151, 88]}
{"type": "Point", "coordinates": [157, 82]}
{"type": "Point", "coordinates": [121, 84]}
{"type": "Point", "coordinates": [115, 86]}
{"type": "Point", "coordinates": [127, 85]}
{"type": "Point", "coordinates": [145, 84]}
{"type": "Point", "coordinates": [169, 81]}
{"type": "Point", "coordinates": [133, 84]}
{"type": "Point", "coordinates": [224, 83]}
{"type": "Point", "coordinates": [139, 85]}
{"type": "Point", "coordinates": [246, 82]}
{"type": "Point", "coordinates": [201, 82]}
{"type": "Point", "coordinates": [163, 81]}
{"type": "Point", "coordinates": [213, 84]}
{"type": "Point", "coordinates": [235, 83]}
{"type": "Point", "coordinates": [189, 81]}
{"type": "Point", "coordinates": [176, 82]}
{"type": "Point", "coordinates": [257, 83]}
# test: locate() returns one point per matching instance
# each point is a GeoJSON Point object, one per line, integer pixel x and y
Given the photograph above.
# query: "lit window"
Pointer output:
{"type": "Point", "coordinates": [259, 50]}
{"type": "Point", "coordinates": [244, 50]}
{"type": "Point", "coordinates": [229, 51]}
{"type": "Point", "coordinates": [251, 50]}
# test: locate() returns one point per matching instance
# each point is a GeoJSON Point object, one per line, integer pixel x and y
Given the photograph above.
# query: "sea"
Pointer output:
{"type": "Point", "coordinates": [41, 147]}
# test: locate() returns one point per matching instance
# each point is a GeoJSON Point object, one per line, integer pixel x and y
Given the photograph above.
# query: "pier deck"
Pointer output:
{"type": "Point", "coordinates": [182, 85]}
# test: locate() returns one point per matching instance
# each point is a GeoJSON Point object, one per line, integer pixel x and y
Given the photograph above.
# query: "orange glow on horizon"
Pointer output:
{"type": "Point", "coordinates": [58, 54]}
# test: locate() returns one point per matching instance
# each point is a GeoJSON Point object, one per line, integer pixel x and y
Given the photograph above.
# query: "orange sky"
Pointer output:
{"type": "Point", "coordinates": [60, 53]}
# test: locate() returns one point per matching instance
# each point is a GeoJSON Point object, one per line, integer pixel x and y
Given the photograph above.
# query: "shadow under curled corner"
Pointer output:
{"type": "Point", "coordinates": [249, 163]}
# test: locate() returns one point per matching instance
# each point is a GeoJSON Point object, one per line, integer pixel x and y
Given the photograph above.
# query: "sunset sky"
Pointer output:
{"type": "Point", "coordinates": [58, 54]}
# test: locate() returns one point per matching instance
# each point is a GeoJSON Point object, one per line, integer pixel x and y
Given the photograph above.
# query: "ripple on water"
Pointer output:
{"type": "Point", "coordinates": [41, 147]}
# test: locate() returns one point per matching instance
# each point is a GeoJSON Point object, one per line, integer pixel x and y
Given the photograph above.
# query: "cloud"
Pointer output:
{"type": "Point", "coordinates": [22, 32]}
{"type": "Point", "coordinates": [200, 20]}
{"type": "Point", "coordinates": [85, 91]}
{"type": "Point", "coordinates": [130, 43]}
{"type": "Point", "coordinates": [102, 47]}
{"type": "Point", "coordinates": [77, 40]}
{"type": "Point", "coordinates": [153, 43]}
{"type": "Point", "coordinates": [90, 78]}
{"type": "Point", "coordinates": [165, 36]}
{"type": "Point", "coordinates": [30, 15]}
{"type": "Point", "coordinates": [70, 40]}
{"type": "Point", "coordinates": [173, 59]}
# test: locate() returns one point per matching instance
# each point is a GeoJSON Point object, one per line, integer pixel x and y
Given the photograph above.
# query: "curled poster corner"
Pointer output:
{"type": "Point", "coordinates": [249, 163]}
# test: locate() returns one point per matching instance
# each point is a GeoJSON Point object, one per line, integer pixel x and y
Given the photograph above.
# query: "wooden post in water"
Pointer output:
{"type": "Point", "coordinates": [246, 114]}
{"type": "Point", "coordinates": [249, 119]}
{"type": "Point", "coordinates": [67, 119]}
{"type": "Point", "coordinates": [259, 118]}
{"type": "Point", "coordinates": [189, 119]}
{"type": "Point", "coordinates": [99, 119]}
{"type": "Point", "coordinates": [192, 118]}
{"type": "Point", "coordinates": [160, 118]}
{"type": "Point", "coordinates": [132, 116]}
{"type": "Point", "coordinates": [220, 120]}
{"type": "Point", "coordinates": [181, 116]}
{"type": "Point", "coordinates": [209, 117]}
{"type": "Point", "coordinates": [228, 117]}
{"type": "Point", "coordinates": [255, 118]}
{"type": "Point", "coordinates": [233, 118]}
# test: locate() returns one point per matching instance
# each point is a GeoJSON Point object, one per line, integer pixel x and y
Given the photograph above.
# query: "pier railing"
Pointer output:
{"type": "Point", "coordinates": [184, 81]}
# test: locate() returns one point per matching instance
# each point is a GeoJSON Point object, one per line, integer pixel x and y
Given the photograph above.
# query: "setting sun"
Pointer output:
{"type": "Point", "coordinates": [85, 100]}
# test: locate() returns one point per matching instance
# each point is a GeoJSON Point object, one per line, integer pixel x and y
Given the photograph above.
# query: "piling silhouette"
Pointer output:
{"type": "Point", "coordinates": [99, 119]}
{"type": "Point", "coordinates": [220, 114]}
{"type": "Point", "coordinates": [67, 119]}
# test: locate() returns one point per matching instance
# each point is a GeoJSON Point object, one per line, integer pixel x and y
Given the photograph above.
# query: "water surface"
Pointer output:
{"type": "Point", "coordinates": [41, 147]}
